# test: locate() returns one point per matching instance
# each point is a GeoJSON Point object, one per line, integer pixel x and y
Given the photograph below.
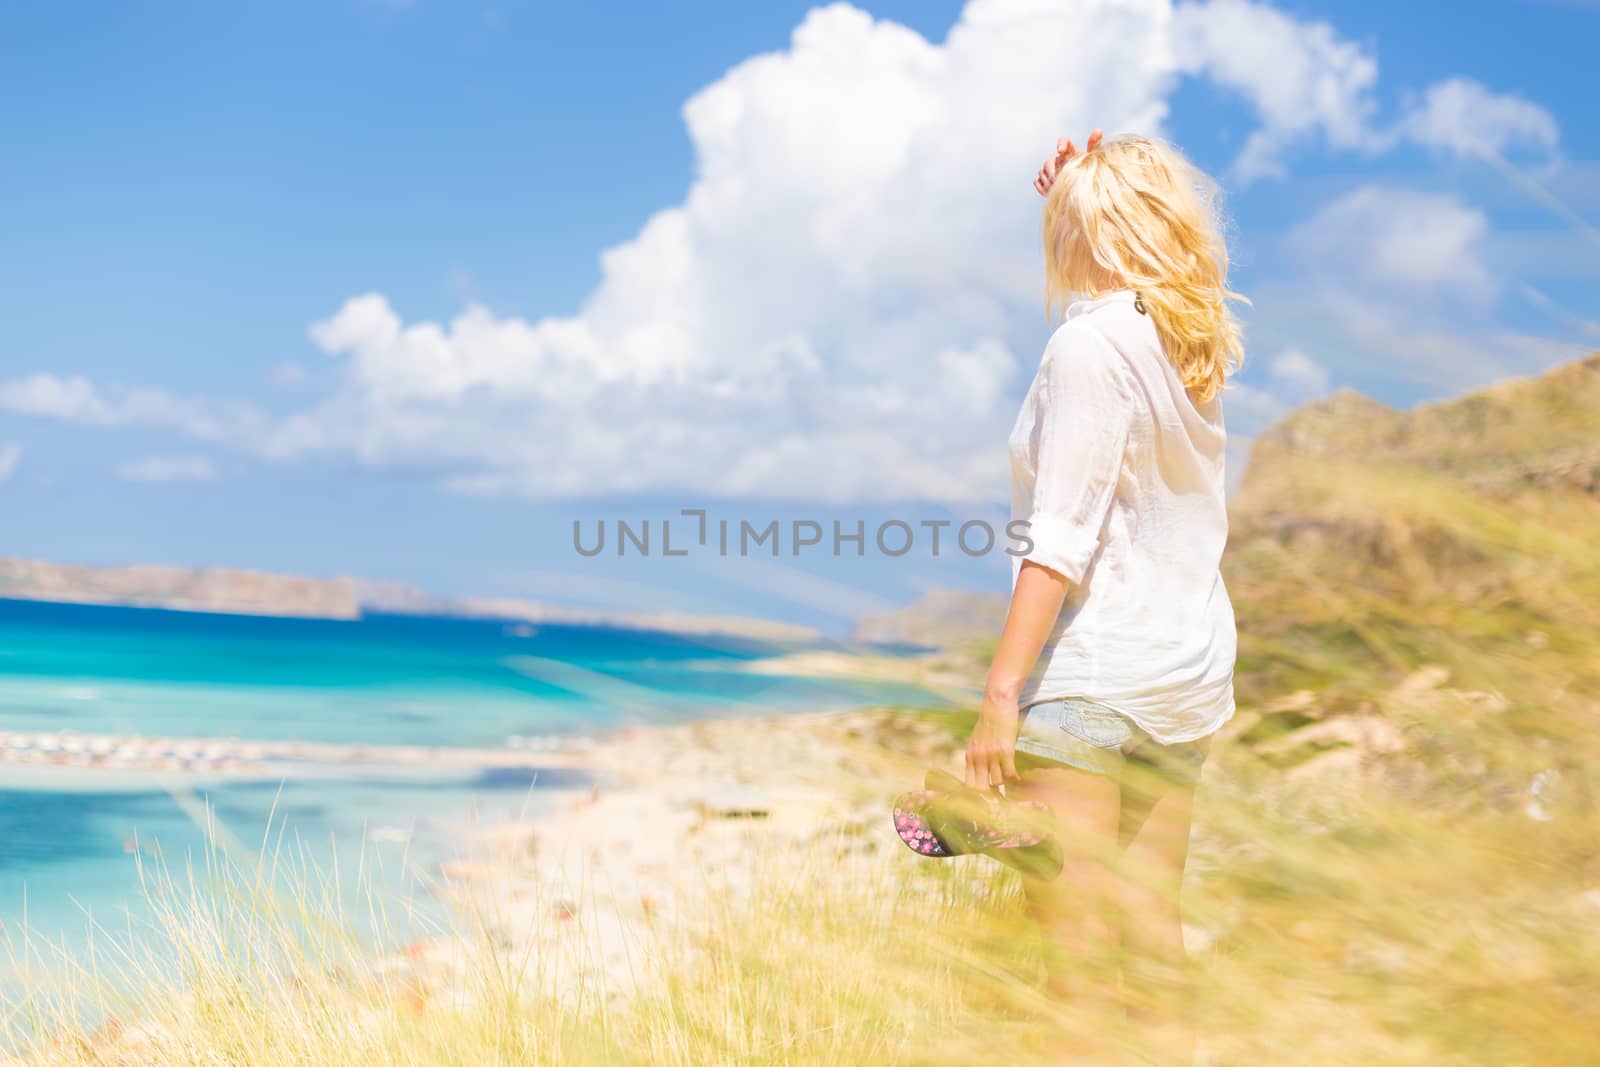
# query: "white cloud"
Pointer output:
{"type": "Point", "coordinates": [1305, 81]}
{"type": "Point", "coordinates": [168, 469]}
{"type": "Point", "coordinates": [1397, 290]}
{"type": "Point", "coordinates": [1464, 117]}
{"type": "Point", "coordinates": [1390, 235]}
{"type": "Point", "coordinates": [1418, 350]}
{"type": "Point", "coordinates": [1302, 78]}
{"type": "Point", "coordinates": [1292, 378]}
{"type": "Point", "coordinates": [1299, 377]}
{"type": "Point", "coordinates": [78, 400]}
{"type": "Point", "coordinates": [846, 303]}
{"type": "Point", "coordinates": [68, 399]}
{"type": "Point", "coordinates": [10, 456]}
{"type": "Point", "coordinates": [832, 310]}
{"type": "Point", "coordinates": [1250, 408]}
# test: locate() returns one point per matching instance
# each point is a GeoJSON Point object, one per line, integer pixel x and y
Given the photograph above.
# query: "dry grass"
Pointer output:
{"type": "Point", "coordinates": [1396, 861]}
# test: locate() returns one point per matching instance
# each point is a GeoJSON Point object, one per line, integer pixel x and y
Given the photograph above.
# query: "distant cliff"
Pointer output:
{"type": "Point", "coordinates": [239, 592]}
{"type": "Point", "coordinates": [214, 589]}
{"type": "Point", "coordinates": [939, 618]}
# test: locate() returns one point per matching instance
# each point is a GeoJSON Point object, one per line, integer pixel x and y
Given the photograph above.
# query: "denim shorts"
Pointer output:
{"type": "Point", "coordinates": [1096, 737]}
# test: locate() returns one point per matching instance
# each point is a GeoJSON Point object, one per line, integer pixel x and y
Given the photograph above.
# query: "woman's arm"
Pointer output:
{"type": "Point", "coordinates": [1083, 433]}
{"type": "Point", "coordinates": [1035, 604]}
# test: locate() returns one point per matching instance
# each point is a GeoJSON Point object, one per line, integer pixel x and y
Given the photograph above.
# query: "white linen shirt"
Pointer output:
{"type": "Point", "coordinates": [1120, 477]}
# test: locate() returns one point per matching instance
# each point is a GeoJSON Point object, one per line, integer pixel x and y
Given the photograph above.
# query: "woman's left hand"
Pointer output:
{"type": "Point", "coordinates": [1036, 601]}
{"type": "Point", "coordinates": [991, 753]}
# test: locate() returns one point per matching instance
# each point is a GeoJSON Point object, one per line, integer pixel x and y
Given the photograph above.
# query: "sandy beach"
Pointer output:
{"type": "Point", "coordinates": [678, 814]}
{"type": "Point", "coordinates": [676, 819]}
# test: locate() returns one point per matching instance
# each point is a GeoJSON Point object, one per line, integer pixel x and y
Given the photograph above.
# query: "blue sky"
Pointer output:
{"type": "Point", "coordinates": [400, 289]}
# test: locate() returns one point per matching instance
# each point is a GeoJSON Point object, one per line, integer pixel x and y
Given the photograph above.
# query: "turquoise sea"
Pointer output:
{"type": "Point", "coordinates": [68, 836]}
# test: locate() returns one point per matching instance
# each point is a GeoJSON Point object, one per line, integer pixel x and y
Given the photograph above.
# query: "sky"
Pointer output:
{"type": "Point", "coordinates": [403, 289]}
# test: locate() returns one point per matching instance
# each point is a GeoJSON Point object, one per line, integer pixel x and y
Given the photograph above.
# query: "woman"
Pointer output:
{"type": "Point", "coordinates": [1115, 666]}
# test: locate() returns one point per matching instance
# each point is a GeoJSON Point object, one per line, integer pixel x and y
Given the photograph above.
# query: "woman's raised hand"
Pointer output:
{"type": "Point", "coordinates": [1065, 150]}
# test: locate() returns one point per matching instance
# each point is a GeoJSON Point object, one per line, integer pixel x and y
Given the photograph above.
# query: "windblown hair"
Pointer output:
{"type": "Point", "coordinates": [1135, 213]}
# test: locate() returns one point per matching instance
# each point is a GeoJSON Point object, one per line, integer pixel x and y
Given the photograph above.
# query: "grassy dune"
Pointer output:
{"type": "Point", "coordinates": [1396, 858]}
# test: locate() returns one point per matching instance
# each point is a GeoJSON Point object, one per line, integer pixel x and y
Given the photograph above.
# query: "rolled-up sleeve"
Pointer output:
{"type": "Point", "coordinates": [1083, 431]}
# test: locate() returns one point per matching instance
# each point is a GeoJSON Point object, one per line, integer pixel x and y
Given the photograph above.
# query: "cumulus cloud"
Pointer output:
{"type": "Point", "coordinates": [1395, 286]}
{"type": "Point", "coordinates": [1393, 235]}
{"type": "Point", "coordinates": [846, 303]}
{"type": "Point", "coordinates": [1306, 82]}
{"type": "Point", "coordinates": [1250, 407]}
{"type": "Point", "coordinates": [1409, 349]}
{"type": "Point", "coordinates": [836, 309]}
{"type": "Point", "coordinates": [1292, 378]}
{"type": "Point", "coordinates": [168, 469]}
{"type": "Point", "coordinates": [1299, 377]}
{"type": "Point", "coordinates": [1302, 78]}
{"type": "Point", "coordinates": [78, 400]}
{"type": "Point", "coordinates": [1464, 117]}
{"type": "Point", "coordinates": [10, 456]}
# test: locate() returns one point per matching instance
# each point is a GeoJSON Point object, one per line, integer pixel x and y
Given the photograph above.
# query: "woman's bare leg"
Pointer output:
{"type": "Point", "coordinates": [1150, 878]}
{"type": "Point", "coordinates": [1077, 911]}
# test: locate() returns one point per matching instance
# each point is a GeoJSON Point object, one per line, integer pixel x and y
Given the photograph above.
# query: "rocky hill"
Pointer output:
{"type": "Point", "coordinates": [1463, 522]}
{"type": "Point", "coordinates": [1384, 565]}
{"type": "Point", "coordinates": [1418, 593]}
{"type": "Point", "coordinates": [1526, 432]}
{"type": "Point", "coordinates": [1350, 469]}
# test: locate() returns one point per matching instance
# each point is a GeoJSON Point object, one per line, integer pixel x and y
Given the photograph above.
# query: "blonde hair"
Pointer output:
{"type": "Point", "coordinates": [1135, 213]}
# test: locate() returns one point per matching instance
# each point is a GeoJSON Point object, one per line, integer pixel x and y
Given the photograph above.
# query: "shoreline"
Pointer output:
{"type": "Point", "coordinates": [653, 817]}
{"type": "Point", "coordinates": [670, 819]}
{"type": "Point", "coordinates": [92, 756]}
{"type": "Point", "coordinates": [231, 758]}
